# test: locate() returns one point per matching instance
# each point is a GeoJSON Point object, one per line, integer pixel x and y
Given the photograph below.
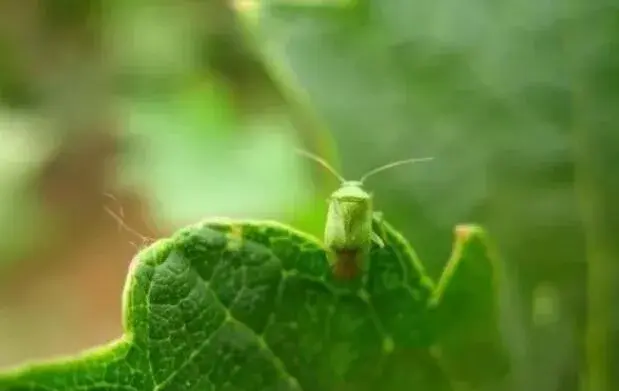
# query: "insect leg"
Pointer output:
{"type": "Point", "coordinates": [378, 237]}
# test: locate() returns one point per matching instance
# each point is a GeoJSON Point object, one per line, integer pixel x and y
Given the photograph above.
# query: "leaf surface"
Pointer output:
{"type": "Point", "coordinates": [250, 305]}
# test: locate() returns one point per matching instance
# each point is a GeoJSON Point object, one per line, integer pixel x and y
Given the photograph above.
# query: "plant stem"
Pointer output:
{"type": "Point", "coordinates": [598, 190]}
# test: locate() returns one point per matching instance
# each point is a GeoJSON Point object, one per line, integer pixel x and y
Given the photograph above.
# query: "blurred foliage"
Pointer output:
{"type": "Point", "coordinates": [23, 151]}
{"type": "Point", "coordinates": [182, 123]}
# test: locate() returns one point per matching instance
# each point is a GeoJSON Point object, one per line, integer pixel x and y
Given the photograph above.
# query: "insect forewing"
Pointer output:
{"type": "Point", "coordinates": [335, 229]}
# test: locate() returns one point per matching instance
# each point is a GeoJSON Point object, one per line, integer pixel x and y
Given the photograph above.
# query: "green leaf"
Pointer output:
{"type": "Point", "coordinates": [467, 310]}
{"type": "Point", "coordinates": [252, 305]}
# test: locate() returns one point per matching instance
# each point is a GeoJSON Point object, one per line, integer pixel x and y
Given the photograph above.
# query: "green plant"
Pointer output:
{"type": "Point", "coordinates": [253, 305]}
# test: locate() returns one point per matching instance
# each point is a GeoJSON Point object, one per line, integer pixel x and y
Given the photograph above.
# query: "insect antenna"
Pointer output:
{"type": "Point", "coordinates": [322, 162]}
{"type": "Point", "coordinates": [119, 218]}
{"type": "Point", "coordinates": [394, 164]}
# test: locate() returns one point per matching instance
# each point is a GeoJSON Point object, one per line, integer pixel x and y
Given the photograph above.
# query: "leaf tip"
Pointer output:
{"type": "Point", "coordinates": [465, 232]}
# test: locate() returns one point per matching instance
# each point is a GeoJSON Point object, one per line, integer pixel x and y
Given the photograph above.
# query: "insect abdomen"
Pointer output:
{"type": "Point", "coordinates": [347, 265]}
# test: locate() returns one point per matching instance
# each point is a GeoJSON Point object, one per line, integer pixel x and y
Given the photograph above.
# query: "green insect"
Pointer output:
{"type": "Point", "coordinates": [348, 231]}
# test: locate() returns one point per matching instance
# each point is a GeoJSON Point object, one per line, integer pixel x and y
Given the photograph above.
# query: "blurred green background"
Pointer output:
{"type": "Point", "coordinates": [187, 109]}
